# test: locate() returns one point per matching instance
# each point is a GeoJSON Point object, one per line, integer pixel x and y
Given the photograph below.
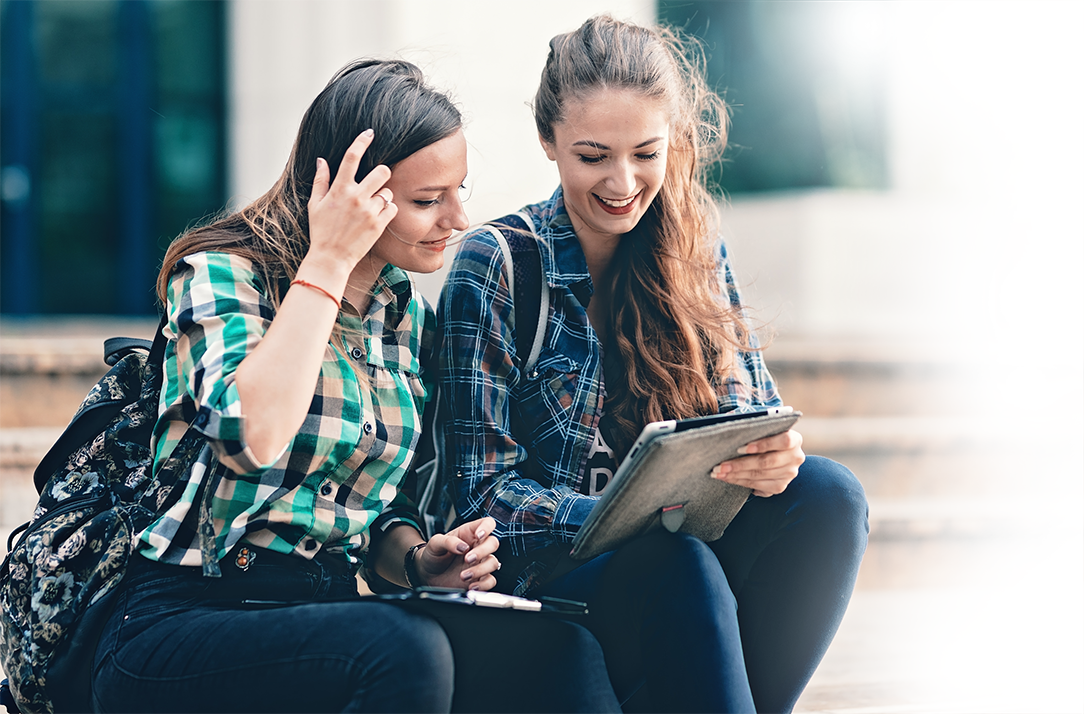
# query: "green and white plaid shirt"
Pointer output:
{"type": "Point", "coordinates": [340, 472]}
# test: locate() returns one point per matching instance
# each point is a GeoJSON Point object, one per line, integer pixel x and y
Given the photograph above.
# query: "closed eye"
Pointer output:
{"type": "Point", "coordinates": [591, 160]}
{"type": "Point", "coordinates": [649, 157]}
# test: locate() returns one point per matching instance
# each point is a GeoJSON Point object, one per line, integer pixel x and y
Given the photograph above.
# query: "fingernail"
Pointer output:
{"type": "Point", "coordinates": [481, 533]}
{"type": "Point", "coordinates": [367, 133]}
{"type": "Point", "coordinates": [466, 575]}
{"type": "Point", "coordinates": [472, 558]}
{"type": "Point", "coordinates": [474, 586]}
{"type": "Point", "coordinates": [462, 547]}
{"type": "Point", "coordinates": [743, 450]}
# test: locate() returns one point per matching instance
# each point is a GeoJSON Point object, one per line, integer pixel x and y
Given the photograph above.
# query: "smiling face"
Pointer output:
{"type": "Point", "coordinates": [425, 186]}
{"type": "Point", "coordinates": [611, 154]}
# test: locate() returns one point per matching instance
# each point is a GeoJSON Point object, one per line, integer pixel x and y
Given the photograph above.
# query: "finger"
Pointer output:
{"type": "Point", "coordinates": [765, 486]}
{"type": "Point", "coordinates": [773, 480]}
{"type": "Point", "coordinates": [476, 531]}
{"type": "Point", "coordinates": [348, 168]}
{"type": "Point", "coordinates": [479, 571]}
{"type": "Point", "coordinates": [485, 526]}
{"type": "Point", "coordinates": [482, 550]}
{"type": "Point", "coordinates": [442, 544]}
{"type": "Point", "coordinates": [490, 565]}
{"type": "Point", "coordinates": [386, 194]}
{"type": "Point", "coordinates": [780, 442]}
{"type": "Point", "coordinates": [487, 583]}
{"type": "Point", "coordinates": [320, 182]}
{"type": "Point", "coordinates": [374, 180]}
{"type": "Point", "coordinates": [745, 466]}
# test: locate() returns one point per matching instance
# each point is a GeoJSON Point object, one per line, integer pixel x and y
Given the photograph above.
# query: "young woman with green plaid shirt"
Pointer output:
{"type": "Point", "coordinates": [296, 341]}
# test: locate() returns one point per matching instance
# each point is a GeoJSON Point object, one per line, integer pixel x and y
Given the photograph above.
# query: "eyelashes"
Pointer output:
{"type": "Point", "coordinates": [429, 203]}
{"type": "Point", "coordinates": [592, 160]}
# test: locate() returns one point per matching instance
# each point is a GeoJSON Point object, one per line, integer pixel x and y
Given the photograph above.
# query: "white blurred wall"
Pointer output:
{"type": "Point", "coordinates": [980, 236]}
{"type": "Point", "coordinates": [487, 53]}
{"type": "Point", "coordinates": [978, 244]}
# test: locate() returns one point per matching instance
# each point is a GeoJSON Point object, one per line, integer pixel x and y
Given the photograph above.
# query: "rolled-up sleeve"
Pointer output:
{"type": "Point", "coordinates": [217, 316]}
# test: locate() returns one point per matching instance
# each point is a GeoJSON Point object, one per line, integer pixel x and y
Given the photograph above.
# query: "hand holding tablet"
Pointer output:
{"type": "Point", "coordinates": [666, 479]}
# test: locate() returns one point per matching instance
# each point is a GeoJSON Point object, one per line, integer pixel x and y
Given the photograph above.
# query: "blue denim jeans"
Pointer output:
{"type": "Point", "coordinates": [737, 625]}
{"type": "Point", "coordinates": [179, 642]}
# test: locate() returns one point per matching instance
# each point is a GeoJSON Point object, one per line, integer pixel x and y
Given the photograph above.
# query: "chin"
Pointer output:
{"type": "Point", "coordinates": [426, 266]}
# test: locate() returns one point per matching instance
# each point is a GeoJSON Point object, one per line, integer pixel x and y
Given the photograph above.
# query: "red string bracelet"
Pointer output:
{"type": "Point", "coordinates": [307, 284]}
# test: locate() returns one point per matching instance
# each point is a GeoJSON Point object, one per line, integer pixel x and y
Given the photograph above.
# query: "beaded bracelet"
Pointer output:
{"type": "Point", "coordinates": [307, 284]}
{"type": "Point", "coordinates": [410, 568]}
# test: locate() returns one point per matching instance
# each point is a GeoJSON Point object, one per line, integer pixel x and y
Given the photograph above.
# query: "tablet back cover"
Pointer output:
{"type": "Point", "coordinates": [675, 470]}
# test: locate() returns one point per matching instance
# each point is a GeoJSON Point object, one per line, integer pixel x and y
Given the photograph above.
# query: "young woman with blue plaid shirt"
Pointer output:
{"type": "Point", "coordinates": [295, 348]}
{"type": "Point", "coordinates": [645, 323]}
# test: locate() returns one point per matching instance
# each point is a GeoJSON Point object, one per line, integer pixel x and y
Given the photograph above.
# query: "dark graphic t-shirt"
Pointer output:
{"type": "Point", "coordinates": [601, 462]}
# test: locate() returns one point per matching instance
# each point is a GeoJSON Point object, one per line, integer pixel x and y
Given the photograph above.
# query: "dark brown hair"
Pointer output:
{"type": "Point", "coordinates": [388, 96]}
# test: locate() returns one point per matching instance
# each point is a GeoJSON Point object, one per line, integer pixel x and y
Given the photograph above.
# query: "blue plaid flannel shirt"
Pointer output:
{"type": "Point", "coordinates": [516, 445]}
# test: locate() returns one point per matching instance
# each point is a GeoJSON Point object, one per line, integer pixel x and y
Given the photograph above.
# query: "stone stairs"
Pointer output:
{"type": "Point", "coordinates": [929, 470]}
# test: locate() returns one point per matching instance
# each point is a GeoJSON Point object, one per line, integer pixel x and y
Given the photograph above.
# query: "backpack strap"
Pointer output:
{"type": "Point", "coordinates": [530, 299]}
{"type": "Point", "coordinates": [530, 290]}
{"type": "Point", "coordinates": [90, 421]}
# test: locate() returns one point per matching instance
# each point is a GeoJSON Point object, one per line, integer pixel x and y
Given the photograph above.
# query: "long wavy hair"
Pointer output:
{"type": "Point", "coordinates": [388, 96]}
{"type": "Point", "coordinates": [672, 328]}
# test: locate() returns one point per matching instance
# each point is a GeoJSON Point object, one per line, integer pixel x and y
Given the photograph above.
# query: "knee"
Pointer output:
{"type": "Point", "coordinates": [827, 491]}
{"type": "Point", "coordinates": [686, 568]}
{"type": "Point", "coordinates": [417, 644]}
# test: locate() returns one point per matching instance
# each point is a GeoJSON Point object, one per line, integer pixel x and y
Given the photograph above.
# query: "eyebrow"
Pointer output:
{"type": "Point", "coordinates": [603, 147]}
{"type": "Point", "coordinates": [449, 187]}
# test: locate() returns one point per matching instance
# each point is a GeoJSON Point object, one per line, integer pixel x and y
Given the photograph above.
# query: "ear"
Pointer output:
{"type": "Point", "coordinates": [550, 149]}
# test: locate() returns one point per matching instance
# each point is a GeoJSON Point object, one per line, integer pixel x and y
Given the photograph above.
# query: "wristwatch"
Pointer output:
{"type": "Point", "coordinates": [410, 568]}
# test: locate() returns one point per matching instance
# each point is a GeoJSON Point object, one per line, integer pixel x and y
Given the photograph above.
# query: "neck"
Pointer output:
{"type": "Point", "coordinates": [359, 286]}
{"type": "Point", "coordinates": [598, 250]}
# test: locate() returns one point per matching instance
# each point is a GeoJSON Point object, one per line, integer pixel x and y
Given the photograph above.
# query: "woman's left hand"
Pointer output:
{"type": "Point", "coordinates": [768, 466]}
{"type": "Point", "coordinates": [461, 559]}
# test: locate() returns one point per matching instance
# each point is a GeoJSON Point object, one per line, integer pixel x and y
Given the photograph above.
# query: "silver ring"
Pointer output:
{"type": "Point", "coordinates": [498, 566]}
{"type": "Point", "coordinates": [387, 201]}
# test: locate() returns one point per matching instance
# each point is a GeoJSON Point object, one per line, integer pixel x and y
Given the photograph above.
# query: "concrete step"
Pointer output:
{"type": "Point", "coordinates": [47, 366]}
{"type": "Point", "coordinates": [837, 378]}
{"type": "Point", "coordinates": [926, 477]}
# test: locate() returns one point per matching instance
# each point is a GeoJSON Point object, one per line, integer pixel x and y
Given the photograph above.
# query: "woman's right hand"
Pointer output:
{"type": "Point", "coordinates": [347, 216]}
{"type": "Point", "coordinates": [276, 381]}
{"type": "Point", "coordinates": [463, 558]}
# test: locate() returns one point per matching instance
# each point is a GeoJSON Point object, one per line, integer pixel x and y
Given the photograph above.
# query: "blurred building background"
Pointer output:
{"type": "Point", "coordinates": [903, 198]}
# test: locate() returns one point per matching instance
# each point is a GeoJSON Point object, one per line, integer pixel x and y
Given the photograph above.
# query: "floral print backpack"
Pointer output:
{"type": "Point", "coordinates": [97, 491]}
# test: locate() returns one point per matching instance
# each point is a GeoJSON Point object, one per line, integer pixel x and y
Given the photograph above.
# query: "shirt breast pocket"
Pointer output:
{"type": "Point", "coordinates": [552, 385]}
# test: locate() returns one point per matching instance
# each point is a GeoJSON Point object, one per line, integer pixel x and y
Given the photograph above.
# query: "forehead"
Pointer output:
{"type": "Point", "coordinates": [612, 116]}
{"type": "Point", "coordinates": [441, 162]}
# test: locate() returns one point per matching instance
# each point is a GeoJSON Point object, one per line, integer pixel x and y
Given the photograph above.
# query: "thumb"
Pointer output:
{"type": "Point", "coordinates": [320, 183]}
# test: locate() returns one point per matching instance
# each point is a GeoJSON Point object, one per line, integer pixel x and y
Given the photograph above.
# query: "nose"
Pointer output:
{"type": "Point", "coordinates": [622, 181]}
{"type": "Point", "coordinates": [455, 217]}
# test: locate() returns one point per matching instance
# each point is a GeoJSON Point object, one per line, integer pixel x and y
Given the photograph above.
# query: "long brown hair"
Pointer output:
{"type": "Point", "coordinates": [671, 326]}
{"type": "Point", "coordinates": [388, 96]}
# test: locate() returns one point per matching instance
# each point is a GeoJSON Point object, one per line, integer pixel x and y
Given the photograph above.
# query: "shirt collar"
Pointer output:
{"type": "Point", "coordinates": [564, 261]}
{"type": "Point", "coordinates": [389, 298]}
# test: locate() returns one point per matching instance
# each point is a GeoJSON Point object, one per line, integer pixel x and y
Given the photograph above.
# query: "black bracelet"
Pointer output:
{"type": "Point", "coordinates": [410, 568]}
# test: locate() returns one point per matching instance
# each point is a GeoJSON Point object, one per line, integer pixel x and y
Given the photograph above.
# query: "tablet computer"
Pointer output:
{"type": "Point", "coordinates": [665, 481]}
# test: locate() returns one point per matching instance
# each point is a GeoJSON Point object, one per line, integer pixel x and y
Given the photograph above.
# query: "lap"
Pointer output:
{"type": "Point", "coordinates": [174, 643]}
